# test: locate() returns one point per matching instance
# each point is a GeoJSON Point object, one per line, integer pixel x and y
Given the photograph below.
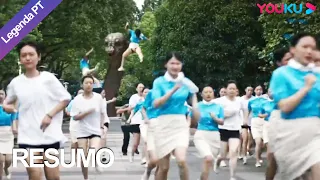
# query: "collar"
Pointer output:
{"type": "Point", "coordinates": [316, 69]}
{"type": "Point", "coordinates": [169, 78]}
{"type": "Point", "coordinates": [207, 103]}
{"type": "Point", "coordinates": [296, 65]}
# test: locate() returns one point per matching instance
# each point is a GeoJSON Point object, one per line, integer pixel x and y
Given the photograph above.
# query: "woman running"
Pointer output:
{"type": "Point", "coordinates": [246, 130]}
{"type": "Point", "coordinates": [295, 89]}
{"type": "Point", "coordinates": [150, 121]}
{"type": "Point", "coordinates": [42, 99]}
{"type": "Point", "coordinates": [207, 136]}
{"type": "Point", "coordinates": [255, 108]}
{"type": "Point", "coordinates": [172, 132]}
{"type": "Point", "coordinates": [88, 108]}
{"type": "Point", "coordinates": [136, 123]}
{"type": "Point", "coordinates": [230, 130]}
{"type": "Point", "coordinates": [281, 57]}
{"type": "Point", "coordinates": [267, 108]}
{"type": "Point", "coordinates": [136, 37]}
{"type": "Point", "coordinates": [7, 121]}
{"type": "Point", "coordinates": [73, 126]}
{"type": "Point", "coordinates": [106, 122]}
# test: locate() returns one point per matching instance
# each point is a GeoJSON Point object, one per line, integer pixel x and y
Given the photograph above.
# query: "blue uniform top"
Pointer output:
{"type": "Point", "coordinates": [288, 80]}
{"type": "Point", "coordinates": [255, 106]}
{"type": "Point", "coordinates": [175, 104]}
{"type": "Point", "coordinates": [84, 64]}
{"type": "Point", "coordinates": [267, 108]}
{"type": "Point", "coordinates": [206, 122]}
{"type": "Point", "coordinates": [134, 37]}
{"type": "Point", "coordinates": [148, 106]}
{"type": "Point", "coordinates": [6, 119]}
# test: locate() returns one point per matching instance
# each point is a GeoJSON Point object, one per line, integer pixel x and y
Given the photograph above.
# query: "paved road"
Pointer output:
{"type": "Point", "coordinates": [123, 169]}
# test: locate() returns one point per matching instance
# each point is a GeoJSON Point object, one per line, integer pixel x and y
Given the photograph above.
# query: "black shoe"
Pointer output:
{"type": "Point", "coordinates": [124, 154]}
{"type": "Point", "coordinates": [137, 152]}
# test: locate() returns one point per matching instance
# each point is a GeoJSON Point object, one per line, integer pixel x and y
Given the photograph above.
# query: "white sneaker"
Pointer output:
{"type": "Point", "coordinates": [223, 164]}
{"type": "Point", "coordinates": [239, 157]}
{"type": "Point", "coordinates": [244, 160]}
{"type": "Point", "coordinates": [9, 176]}
{"type": "Point", "coordinates": [260, 161]}
{"type": "Point", "coordinates": [143, 161]}
{"type": "Point", "coordinates": [130, 158]}
{"type": "Point", "coordinates": [258, 165]}
{"type": "Point", "coordinates": [216, 167]}
{"type": "Point", "coordinates": [232, 178]}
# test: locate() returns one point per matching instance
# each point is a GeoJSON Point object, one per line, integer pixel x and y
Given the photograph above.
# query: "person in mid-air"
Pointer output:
{"type": "Point", "coordinates": [135, 37]}
{"type": "Point", "coordinates": [85, 67]}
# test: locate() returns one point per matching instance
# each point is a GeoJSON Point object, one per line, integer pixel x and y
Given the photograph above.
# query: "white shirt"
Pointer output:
{"type": "Point", "coordinates": [37, 96]}
{"type": "Point", "coordinates": [245, 103]}
{"type": "Point", "coordinates": [90, 124]}
{"type": "Point", "coordinates": [133, 101]}
{"type": "Point", "coordinates": [234, 122]}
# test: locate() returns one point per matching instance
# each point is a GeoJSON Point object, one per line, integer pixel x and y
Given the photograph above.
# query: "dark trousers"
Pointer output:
{"type": "Point", "coordinates": [126, 138]}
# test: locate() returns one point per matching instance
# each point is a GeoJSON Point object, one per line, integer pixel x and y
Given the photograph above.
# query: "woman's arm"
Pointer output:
{"type": "Point", "coordinates": [162, 100]}
{"type": "Point", "coordinates": [289, 104]}
{"type": "Point", "coordinates": [216, 119]}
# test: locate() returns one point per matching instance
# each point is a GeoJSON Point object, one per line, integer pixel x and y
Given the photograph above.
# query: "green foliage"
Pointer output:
{"type": "Point", "coordinates": [275, 26]}
{"type": "Point", "coordinates": [218, 39]}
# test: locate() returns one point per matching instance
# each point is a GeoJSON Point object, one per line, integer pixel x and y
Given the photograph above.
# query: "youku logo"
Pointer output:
{"type": "Point", "coordinates": [286, 8]}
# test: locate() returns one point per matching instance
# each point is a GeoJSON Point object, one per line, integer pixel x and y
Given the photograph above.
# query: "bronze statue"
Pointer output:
{"type": "Point", "coordinates": [116, 44]}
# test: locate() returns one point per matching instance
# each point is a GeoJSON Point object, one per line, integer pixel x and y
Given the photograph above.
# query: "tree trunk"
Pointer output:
{"type": "Point", "coordinates": [116, 45]}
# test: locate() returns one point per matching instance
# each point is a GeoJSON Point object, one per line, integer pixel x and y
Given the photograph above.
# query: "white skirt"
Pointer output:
{"type": "Point", "coordinates": [171, 132]}
{"type": "Point", "coordinates": [143, 131]}
{"type": "Point", "coordinates": [265, 137]}
{"type": "Point", "coordinates": [133, 45]}
{"type": "Point", "coordinates": [272, 131]}
{"type": "Point", "coordinates": [257, 127]}
{"type": "Point", "coordinates": [6, 140]}
{"type": "Point", "coordinates": [150, 134]}
{"type": "Point", "coordinates": [207, 143]}
{"type": "Point", "coordinates": [297, 146]}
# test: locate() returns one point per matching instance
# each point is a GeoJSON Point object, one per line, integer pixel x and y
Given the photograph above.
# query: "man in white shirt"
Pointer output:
{"type": "Point", "coordinates": [133, 101]}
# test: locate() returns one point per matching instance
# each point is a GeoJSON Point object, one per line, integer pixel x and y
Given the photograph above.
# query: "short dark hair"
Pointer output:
{"type": "Point", "coordinates": [279, 54]}
{"type": "Point", "coordinates": [231, 82]}
{"type": "Point", "coordinates": [296, 38]}
{"type": "Point", "coordinates": [172, 54]}
{"type": "Point", "coordinates": [85, 77]}
{"type": "Point", "coordinates": [33, 44]}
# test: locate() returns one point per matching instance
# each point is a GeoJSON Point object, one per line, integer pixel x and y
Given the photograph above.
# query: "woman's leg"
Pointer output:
{"type": "Point", "coordinates": [271, 166]}
{"type": "Point", "coordinates": [258, 150]}
{"type": "Point", "coordinates": [7, 164]}
{"type": "Point", "coordinates": [139, 52]}
{"type": "Point", "coordinates": [136, 142]}
{"type": "Point", "coordinates": [124, 56]}
{"type": "Point", "coordinates": [95, 143]}
{"type": "Point", "coordinates": [233, 146]}
{"type": "Point", "coordinates": [51, 173]}
{"type": "Point", "coordinates": [244, 134]}
{"type": "Point", "coordinates": [163, 168]}
{"type": "Point", "coordinates": [315, 171]}
{"type": "Point", "coordinates": [180, 154]}
{"type": "Point", "coordinates": [222, 156]}
{"type": "Point", "coordinates": [34, 173]}
{"type": "Point", "coordinates": [83, 143]}
{"type": "Point", "coordinates": [207, 165]}
{"type": "Point", "coordinates": [2, 159]}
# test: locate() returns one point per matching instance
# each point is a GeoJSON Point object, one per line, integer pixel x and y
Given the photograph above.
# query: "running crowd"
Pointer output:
{"type": "Point", "coordinates": [285, 120]}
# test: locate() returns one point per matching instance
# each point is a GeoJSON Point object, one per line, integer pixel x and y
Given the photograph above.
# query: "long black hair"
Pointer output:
{"type": "Point", "coordinates": [138, 33]}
